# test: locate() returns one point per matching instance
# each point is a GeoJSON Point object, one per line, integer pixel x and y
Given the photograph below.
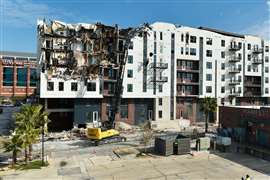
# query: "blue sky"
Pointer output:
{"type": "Point", "coordinates": [18, 17]}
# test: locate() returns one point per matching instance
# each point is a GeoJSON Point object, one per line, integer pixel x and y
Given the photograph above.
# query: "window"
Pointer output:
{"type": "Point", "coordinates": [266, 59]}
{"type": "Point", "coordinates": [124, 111]}
{"type": "Point", "coordinates": [74, 86]}
{"type": "Point", "coordinates": [240, 45]}
{"type": "Point", "coordinates": [249, 68]}
{"type": "Point", "coordinates": [223, 77]}
{"type": "Point", "coordinates": [33, 77]}
{"type": "Point", "coordinates": [266, 80]}
{"type": "Point", "coordinates": [209, 89]}
{"type": "Point", "coordinates": [209, 41]}
{"type": "Point", "coordinates": [160, 114]}
{"type": "Point", "coordinates": [130, 59]}
{"type": "Point", "coordinates": [208, 77]}
{"type": "Point", "coordinates": [91, 86]}
{"type": "Point", "coordinates": [266, 69]}
{"type": "Point", "coordinates": [209, 65]}
{"type": "Point", "coordinates": [155, 35]}
{"type": "Point", "coordinates": [130, 45]}
{"type": "Point", "coordinates": [239, 90]}
{"type": "Point", "coordinates": [182, 37]}
{"type": "Point", "coordinates": [222, 54]}
{"type": "Point", "coordinates": [160, 101]}
{"type": "Point", "coordinates": [61, 86]}
{"type": "Point", "coordinates": [50, 86]}
{"type": "Point", "coordinates": [193, 39]}
{"type": "Point", "coordinates": [160, 88]}
{"type": "Point", "coordinates": [187, 49]}
{"type": "Point", "coordinates": [222, 66]}
{"type": "Point", "coordinates": [222, 89]}
{"type": "Point", "coordinates": [21, 77]}
{"type": "Point", "coordinates": [266, 90]}
{"type": "Point", "coordinates": [182, 50]}
{"type": "Point", "coordinates": [187, 38]}
{"type": "Point", "coordinates": [160, 35]}
{"type": "Point", "coordinates": [193, 51]}
{"type": "Point", "coordinates": [266, 48]}
{"type": "Point", "coordinates": [130, 73]}
{"type": "Point", "coordinates": [129, 88]}
{"type": "Point", "coordinates": [161, 48]}
{"type": "Point", "coordinates": [209, 53]}
{"type": "Point", "coordinates": [249, 57]}
{"type": "Point", "coordinates": [8, 76]}
{"type": "Point", "coordinates": [249, 46]}
{"type": "Point", "coordinates": [222, 43]}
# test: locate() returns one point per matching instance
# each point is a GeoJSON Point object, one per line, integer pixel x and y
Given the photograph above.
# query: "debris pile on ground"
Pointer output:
{"type": "Point", "coordinates": [60, 136]}
{"type": "Point", "coordinates": [124, 127]}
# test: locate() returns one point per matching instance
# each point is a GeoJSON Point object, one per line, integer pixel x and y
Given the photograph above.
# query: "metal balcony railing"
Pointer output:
{"type": "Point", "coordinates": [234, 59]}
{"type": "Point", "coordinates": [256, 61]}
{"type": "Point", "coordinates": [234, 93]}
{"type": "Point", "coordinates": [234, 82]}
{"type": "Point", "coordinates": [234, 47]}
{"type": "Point", "coordinates": [234, 70]}
{"type": "Point", "coordinates": [159, 65]}
{"type": "Point", "coordinates": [257, 50]}
{"type": "Point", "coordinates": [159, 79]}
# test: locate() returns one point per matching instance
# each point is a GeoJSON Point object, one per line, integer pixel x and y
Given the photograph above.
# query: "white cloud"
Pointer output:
{"type": "Point", "coordinates": [26, 12]}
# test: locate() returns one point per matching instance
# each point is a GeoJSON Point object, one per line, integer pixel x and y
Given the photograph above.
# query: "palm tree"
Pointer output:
{"type": "Point", "coordinates": [14, 145]}
{"type": "Point", "coordinates": [29, 121]}
{"type": "Point", "coordinates": [208, 105]}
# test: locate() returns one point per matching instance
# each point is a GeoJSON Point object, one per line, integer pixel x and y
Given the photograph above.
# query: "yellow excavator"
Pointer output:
{"type": "Point", "coordinates": [107, 132]}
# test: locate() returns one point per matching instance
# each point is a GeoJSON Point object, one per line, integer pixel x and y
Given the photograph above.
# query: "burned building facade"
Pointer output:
{"type": "Point", "coordinates": [79, 69]}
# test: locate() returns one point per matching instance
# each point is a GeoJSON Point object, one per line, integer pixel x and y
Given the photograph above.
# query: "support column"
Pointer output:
{"type": "Point", "coordinates": [104, 116]}
{"type": "Point", "coordinates": [131, 111]}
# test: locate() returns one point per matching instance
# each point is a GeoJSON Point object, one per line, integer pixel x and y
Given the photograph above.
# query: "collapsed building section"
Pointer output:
{"type": "Point", "coordinates": [79, 51]}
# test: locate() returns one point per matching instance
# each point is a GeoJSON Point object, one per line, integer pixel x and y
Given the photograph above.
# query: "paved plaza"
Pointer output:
{"type": "Point", "coordinates": [95, 163]}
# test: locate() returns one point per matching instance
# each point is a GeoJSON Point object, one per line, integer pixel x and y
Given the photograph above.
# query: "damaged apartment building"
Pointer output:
{"type": "Point", "coordinates": [167, 70]}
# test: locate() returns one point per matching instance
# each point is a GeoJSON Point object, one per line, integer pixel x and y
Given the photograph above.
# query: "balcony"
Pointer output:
{"type": "Point", "coordinates": [234, 59]}
{"type": "Point", "coordinates": [187, 82]}
{"type": "Point", "coordinates": [252, 84]}
{"type": "Point", "coordinates": [257, 61]}
{"type": "Point", "coordinates": [188, 69]}
{"type": "Point", "coordinates": [159, 65]}
{"type": "Point", "coordinates": [257, 50]}
{"type": "Point", "coordinates": [234, 82]}
{"type": "Point", "coordinates": [186, 94]}
{"type": "Point", "coordinates": [234, 70]}
{"type": "Point", "coordinates": [234, 93]}
{"type": "Point", "coordinates": [109, 79]}
{"type": "Point", "coordinates": [234, 47]}
{"type": "Point", "coordinates": [160, 79]}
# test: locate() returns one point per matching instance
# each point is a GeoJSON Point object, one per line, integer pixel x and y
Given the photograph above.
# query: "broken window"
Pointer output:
{"type": "Point", "coordinates": [160, 101]}
{"type": "Point", "coordinates": [130, 45]}
{"type": "Point", "coordinates": [209, 41]}
{"type": "Point", "coordinates": [160, 114]}
{"type": "Point", "coordinates": [160, 35]}
{"type": "Point", "coordinates": [91, 86]}
{"type": "Point", "coordinates": [130, 73]}
{"type": "Point", "coordinates": [193, 39]}
{"type": "Point", "coordinates": [61, 86]}
{"type": "Point", "coordinates": [50, 86]}
{"type": "Point", "coordinates": [74, 86]}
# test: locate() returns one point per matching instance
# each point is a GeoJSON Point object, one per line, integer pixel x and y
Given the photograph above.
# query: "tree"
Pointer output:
{"type": "Point", "coordinates": [14, 145]}
{"type": "Point", "coordinates": [147, 134]}
{"type": "Point", "coordinates": [29, 121]}
{"type": "Point", "coordinates": [208, 105]}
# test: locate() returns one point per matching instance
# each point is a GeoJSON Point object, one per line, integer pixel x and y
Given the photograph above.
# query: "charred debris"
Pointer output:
{"type": "Point", "coordinates": [82, 51]}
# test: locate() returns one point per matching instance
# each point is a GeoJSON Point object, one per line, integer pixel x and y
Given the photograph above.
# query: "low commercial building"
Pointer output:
{"type": "Point", "coordinates": [247, 124]}
{"type": "Point", "coordinates": [18, 75]}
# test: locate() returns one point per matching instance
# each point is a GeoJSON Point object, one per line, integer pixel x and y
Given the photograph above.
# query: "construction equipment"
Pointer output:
{"type": "Point", "coordinates": [106, 133]}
